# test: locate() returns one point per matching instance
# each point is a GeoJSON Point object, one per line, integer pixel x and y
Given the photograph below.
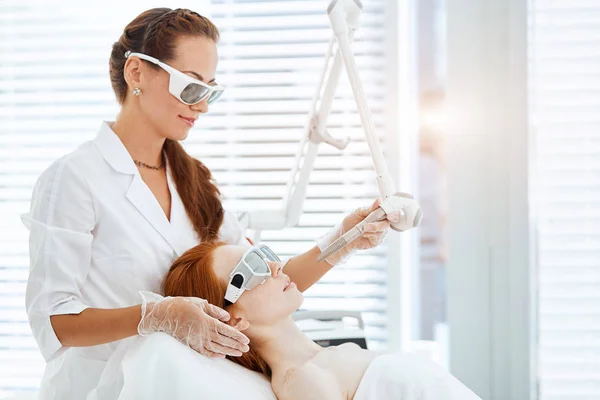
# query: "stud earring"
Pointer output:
{"type": "Point", "coordinates": [137, 91]}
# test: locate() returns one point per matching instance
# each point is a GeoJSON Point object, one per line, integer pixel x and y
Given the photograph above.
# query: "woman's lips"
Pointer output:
{"type": "Point", "coordinates": [189, 121]}
{"type": "Point", "coordinates": [289, 285]}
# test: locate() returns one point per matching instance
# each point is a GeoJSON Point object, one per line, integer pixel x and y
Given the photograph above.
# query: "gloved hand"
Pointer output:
{"type": "Point", "coordinates": [194, 322]}
{"type": "Point", "coordinates": [374, 235]}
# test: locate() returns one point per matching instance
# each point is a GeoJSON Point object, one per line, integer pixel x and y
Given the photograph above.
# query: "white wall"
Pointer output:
{"type": "Point", "coordinates": [489, 307]}
{"type": "Point", "coordinates": [402, 149]}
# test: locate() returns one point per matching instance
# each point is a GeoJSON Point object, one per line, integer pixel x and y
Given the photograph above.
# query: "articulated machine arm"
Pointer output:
{"type": "Point", "coordinates": [343, 17]}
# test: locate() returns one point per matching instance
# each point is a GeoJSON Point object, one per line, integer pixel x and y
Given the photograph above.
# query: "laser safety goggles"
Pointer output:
{"type": "Point", "coordinates": [185, 88]}
{"type": "Point", "coordinates": [252, 270]}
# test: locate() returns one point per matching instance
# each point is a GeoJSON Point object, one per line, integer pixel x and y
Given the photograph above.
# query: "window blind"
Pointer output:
{"type": "Point", "coordinates": [55, 90]}
{"type": "Point", "coordinates": [565, 107]}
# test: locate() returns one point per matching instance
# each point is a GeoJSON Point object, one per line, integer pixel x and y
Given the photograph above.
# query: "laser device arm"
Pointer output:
{"type": "Point", "coordinates": [344, 19]}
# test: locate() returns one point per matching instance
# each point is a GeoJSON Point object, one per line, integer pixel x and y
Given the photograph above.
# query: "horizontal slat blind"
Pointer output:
{"type": "Point", "coordinates": [55, 90]}
{"type": "Point", "coordinates": [277, 49]}
{"type": "Point", "coordinates": [565, 75]}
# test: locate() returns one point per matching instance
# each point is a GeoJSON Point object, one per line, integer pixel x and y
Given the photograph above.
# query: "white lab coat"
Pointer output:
{"type": "Point", "coordinates": [97, 236]}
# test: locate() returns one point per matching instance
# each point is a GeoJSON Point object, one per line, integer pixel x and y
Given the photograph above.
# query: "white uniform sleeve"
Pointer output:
{"type": "Point", "coordinates": [232, 231]}
{"type": "Point", "coordinates": [60, 222]}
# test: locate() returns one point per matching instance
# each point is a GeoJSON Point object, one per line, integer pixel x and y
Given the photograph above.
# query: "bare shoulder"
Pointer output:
{"type": "Point", "coordinates": [347, 346]}
{"type": "Point", "coordinates": [309, 382]}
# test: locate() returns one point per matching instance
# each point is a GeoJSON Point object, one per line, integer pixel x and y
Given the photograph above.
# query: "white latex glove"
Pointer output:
{"type": "Point", "coordinates": [374, 235]}
{"type": "Point", "coordinates": [194, 322]}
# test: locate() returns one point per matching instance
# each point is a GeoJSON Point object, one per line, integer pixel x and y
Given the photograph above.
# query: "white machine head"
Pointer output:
{"type": "Point", "coordinates": [411, 214]}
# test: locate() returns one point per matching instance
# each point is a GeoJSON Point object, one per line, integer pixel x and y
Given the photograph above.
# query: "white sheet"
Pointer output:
{"type": "Point", "coordinates": [407, 376]}
{"type": "Point", "coordinates": [159, 367]}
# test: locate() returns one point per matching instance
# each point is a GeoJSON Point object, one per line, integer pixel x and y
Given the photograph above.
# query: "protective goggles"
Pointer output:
{"type": "Point", "coordinates": [252, 270]}
{"type": "Point", "coordinates": [185, 88]}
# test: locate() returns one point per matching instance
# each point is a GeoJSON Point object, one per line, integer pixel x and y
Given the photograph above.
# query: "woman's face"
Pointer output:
{"type": "Point", "coordinates": [194, 56]}
{"type": "Point", "coordinates": [276, 299]}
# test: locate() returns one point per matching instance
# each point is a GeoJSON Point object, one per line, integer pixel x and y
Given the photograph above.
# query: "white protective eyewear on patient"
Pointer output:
{"type": "Point", "coordinates": [185, 88]}
{"type": "Point", "coordinates": [252, 270]}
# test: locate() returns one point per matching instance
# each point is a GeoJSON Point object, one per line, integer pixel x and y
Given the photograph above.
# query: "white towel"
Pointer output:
{"type": "Point", "coordinates": [157, 367]}
{"type": "Point", "coordinates": [409, 377]}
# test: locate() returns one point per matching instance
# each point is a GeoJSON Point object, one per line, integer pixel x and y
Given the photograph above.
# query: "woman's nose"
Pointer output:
{"type": "Point", "coordinates": [275, 269]}
{"type": "Point", "coordinates": [202, 107]}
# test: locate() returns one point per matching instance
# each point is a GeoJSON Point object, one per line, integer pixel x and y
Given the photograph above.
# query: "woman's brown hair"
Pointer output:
{"type": "Point", "coordinates": [192, 274]}
{"type": "Point", "coordinates": [155, 32]}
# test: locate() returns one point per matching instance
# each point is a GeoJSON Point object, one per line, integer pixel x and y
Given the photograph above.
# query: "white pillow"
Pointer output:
{"type": "Point", "coordinates": [157, 367]}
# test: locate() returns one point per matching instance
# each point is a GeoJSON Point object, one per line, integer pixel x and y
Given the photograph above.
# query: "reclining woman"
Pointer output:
{"type": "Point", "coordinates": [249, 283]}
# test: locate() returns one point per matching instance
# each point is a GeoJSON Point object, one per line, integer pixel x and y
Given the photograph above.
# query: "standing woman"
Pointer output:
{"type": "Point", "coordinates": [107, 220]}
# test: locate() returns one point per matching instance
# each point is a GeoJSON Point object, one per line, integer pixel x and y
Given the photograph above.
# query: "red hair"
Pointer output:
{"type": "Point", "coordinates": [192, 275]}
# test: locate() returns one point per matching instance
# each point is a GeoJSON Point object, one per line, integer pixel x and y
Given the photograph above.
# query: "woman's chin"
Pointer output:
{"type": "Point", "coordinates": [178, 131]}
{"type": "Point", "coordinates": [293, 299]}
{"type": "Point", "coordinates": [179, 136]}
{"type": "Point", "coordinates": [299, 298]}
